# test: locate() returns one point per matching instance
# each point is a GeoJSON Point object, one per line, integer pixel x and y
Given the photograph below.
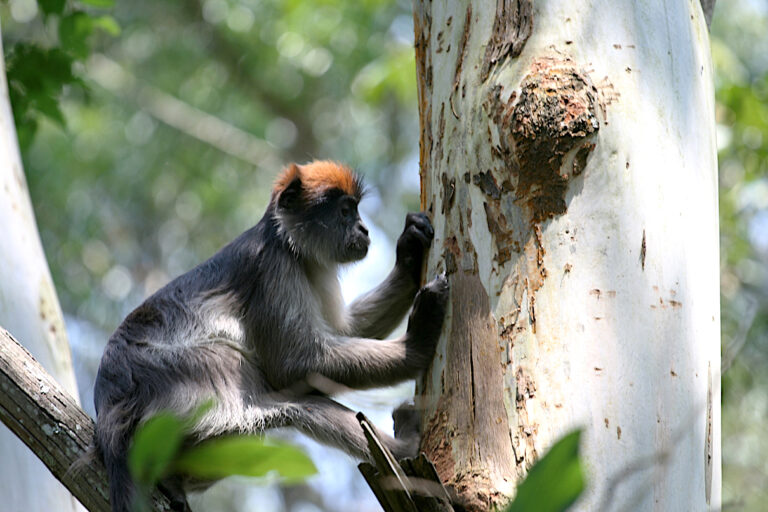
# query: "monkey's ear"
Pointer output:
{"type": "Point", "coordinates": [291, 197]}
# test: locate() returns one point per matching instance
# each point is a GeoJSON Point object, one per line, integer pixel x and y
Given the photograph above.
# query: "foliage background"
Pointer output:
{"type": "Point", "coordinates": [155, 129]}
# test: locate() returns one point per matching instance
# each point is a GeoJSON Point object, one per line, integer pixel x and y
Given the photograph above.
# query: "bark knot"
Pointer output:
{"type": "Point", "coordinates": [546, 132]}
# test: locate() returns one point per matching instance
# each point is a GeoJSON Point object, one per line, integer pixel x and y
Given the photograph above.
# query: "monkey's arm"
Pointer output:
{"type": "Point", "coordinates": [361, 363]}
{"type": "Point", "coordinates": [377, 313]}
{"type": "Point", "coordinates": [364, 363]}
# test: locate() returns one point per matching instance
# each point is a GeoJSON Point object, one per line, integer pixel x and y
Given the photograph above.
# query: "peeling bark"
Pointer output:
{"type": "Point", "coordinates": [461, 55]}
{"type": "Point", "coordinates": [470, 453]}
{"type": "Point", "coordinates": [422, 27]}
{"type": "Point", "coordinates": [512, 26]}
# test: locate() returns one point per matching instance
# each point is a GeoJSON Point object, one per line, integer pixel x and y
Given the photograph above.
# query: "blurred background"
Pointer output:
{"type": "Point", "coordinates": [161, 146]}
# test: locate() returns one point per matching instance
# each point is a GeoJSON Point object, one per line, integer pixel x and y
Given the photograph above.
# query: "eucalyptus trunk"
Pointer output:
{"type": "Point", "coordinates": [568, 160]}
{"type": "Point", "coordinates": [30, 311]}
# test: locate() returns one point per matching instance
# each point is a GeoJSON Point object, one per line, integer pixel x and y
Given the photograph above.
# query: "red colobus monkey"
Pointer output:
{"type": "Point", "coordinates": [253, 324]}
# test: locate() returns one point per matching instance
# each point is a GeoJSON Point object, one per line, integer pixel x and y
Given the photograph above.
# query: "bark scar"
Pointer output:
{"type": "Point", "coordinates": [512, 26]}
{"type": "Point", "coordinates": [460, 57]}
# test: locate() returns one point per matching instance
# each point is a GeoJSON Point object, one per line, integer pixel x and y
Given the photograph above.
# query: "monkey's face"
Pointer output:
{"type": "Point", "coordinates": [327, 229]}
{"type": "Point", "coordinates": [354, 235]}
{"type": "Point", "coordinates": [333, 231]}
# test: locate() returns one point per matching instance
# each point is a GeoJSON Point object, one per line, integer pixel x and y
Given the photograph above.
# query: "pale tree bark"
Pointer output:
{"type": "Point", "coordinates": [30, 310]}
{"type": "Point", "coordinates": [568, 160]}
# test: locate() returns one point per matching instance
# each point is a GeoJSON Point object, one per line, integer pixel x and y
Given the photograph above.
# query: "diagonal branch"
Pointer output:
{"type": "Point", "coordinates": [189, 120]}
{"type": "Point", "coordinates": [53, 426]}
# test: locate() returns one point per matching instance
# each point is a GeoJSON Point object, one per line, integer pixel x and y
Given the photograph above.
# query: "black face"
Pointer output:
{"type": "Point", "coordinates": [355, 238]}
{"type": "Point", "coordinates": [327, 229]}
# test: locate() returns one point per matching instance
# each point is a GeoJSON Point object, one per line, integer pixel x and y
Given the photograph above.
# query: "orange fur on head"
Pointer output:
{"type": "Point", "coordinates": [318, 177]}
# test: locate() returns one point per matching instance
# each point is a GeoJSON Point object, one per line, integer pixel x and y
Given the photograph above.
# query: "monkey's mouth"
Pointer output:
{"type": "Point", "coordinates": [357, 250]}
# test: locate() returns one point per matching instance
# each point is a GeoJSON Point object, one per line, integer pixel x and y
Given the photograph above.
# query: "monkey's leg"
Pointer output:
{"type": "Point", "coordinates": [331, 423]}
{"type": "Point", "coordinates": [173, 488]}
{"type": "Point", "coordinates": [319, 418]}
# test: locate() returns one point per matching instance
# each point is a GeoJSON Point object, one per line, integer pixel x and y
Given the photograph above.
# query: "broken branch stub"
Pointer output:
{"type": "Point", "coordinates": [408, 485]}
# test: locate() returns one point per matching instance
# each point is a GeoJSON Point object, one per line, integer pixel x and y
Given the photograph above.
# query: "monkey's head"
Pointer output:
{"type": "Point", "coordinates": [316, 209]}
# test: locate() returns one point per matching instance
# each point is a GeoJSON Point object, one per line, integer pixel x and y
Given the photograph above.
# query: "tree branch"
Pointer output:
{"type": "Point", "coordinates": [53, 426]}
{"type": "Point", "coordinates": [189, 120]}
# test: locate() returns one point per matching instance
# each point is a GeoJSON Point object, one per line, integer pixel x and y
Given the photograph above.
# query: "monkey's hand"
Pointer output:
{"type": "Point", "coordinates": [416, 237]}
{"type": "Point", "coordinates": [426, 320]}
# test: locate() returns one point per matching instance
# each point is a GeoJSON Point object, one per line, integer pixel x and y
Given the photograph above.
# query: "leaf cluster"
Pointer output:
{"type": "Point", "coordinates": [37, 73]}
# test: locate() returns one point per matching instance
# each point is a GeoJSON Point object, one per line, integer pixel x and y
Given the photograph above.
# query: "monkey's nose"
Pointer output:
{"type": "Point", "coordinates": [362, 229]}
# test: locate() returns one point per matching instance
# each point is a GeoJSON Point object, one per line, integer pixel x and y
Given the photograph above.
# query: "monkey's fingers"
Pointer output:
{"type": "Point", "coordinates": [418, 234]}
{"type": "Point", "coordinates": [420, 220]}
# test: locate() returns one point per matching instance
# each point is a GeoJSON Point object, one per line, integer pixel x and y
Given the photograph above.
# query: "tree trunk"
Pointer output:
{"type": "Point", "coordinates": [30, 310]}
{"type": "Point", "coordinates": [568, 160]}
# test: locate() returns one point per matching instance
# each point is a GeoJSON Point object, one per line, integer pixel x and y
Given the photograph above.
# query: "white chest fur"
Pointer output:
{"type": "Point", "coordinates": [327, 292]}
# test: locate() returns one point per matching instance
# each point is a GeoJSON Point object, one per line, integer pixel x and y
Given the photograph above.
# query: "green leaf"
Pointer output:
{"type": "Point", "coordinates": [74, 30]}
{"type": "Point", "coordinates": [33, 93]}
{"type": "Point", "coordinates": [49, 106]}
{"type": "Point", "coordinates": [108, 24]}
{"type": "Point", "coordinates": [51, 6]}
{"type": "Point", "coordinates": [155, 445]}
{"type": "Point", "coordinates": [246, 456]}
{"type": "Point", "coordinates": [25, 62]}
{"type": "Point", "coordinates": [98, 3]}
{"type": "Point", "coordinates": [555, 482]}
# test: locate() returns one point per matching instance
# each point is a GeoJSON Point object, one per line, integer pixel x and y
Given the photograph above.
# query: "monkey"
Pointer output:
{"type": "Point", "coordinates": [257, 322]}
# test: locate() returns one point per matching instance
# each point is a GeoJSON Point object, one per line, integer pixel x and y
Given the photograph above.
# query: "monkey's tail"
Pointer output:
{"type": "Point", "coordinates": [121, 488]}
{"type": "Point", "coordinates": [113, 452]}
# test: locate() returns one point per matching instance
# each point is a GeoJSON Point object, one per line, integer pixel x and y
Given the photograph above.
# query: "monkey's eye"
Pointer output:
{"type": "Point", "coordinates": [347, 211]}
